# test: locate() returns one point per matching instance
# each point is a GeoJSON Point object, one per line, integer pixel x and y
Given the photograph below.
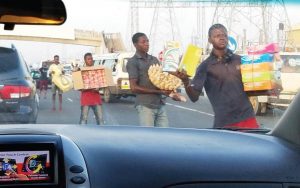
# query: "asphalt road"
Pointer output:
{"type": "Point", "coordinates": [122, 112]}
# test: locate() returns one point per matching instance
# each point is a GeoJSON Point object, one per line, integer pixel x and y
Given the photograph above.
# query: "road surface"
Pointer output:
{"type": "Point", "coordinates": [122, 112]}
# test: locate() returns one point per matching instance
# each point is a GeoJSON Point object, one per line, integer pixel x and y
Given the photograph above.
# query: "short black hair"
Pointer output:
{"type": "Point", "coordinates": [216, 26]}
{"type": "Point", "coordinates": [135, 37]}
{"type": "Point", "coordinates": [88, 54]}
{"type": "Point", "coordinates": [56, 56]}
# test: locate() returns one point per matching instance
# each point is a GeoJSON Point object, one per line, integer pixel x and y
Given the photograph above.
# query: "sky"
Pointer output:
{"type": "Point", "coordinates": [113, 16]}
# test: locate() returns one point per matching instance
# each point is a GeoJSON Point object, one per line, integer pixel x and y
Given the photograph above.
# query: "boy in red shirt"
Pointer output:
{"type": "Point", "coordinates": [90, 98]}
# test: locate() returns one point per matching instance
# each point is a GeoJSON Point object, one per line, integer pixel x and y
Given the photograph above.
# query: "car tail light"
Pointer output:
{"type": "Point", "coordinates": [14, 92]}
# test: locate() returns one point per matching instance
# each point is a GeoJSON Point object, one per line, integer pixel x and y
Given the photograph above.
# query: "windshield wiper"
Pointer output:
{"type": "Point", "coordinates": [247, 130]}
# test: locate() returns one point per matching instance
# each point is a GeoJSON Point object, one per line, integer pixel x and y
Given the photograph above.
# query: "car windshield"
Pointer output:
{"type": "Point", "coordinates": [193, 64]}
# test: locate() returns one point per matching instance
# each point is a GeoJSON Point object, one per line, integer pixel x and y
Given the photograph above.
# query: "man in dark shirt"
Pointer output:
{"type": "Point", "coordinates": [220, 75]}
{"type": "Point", "coordinates": [149, 99]}
{"type": "Point", "coordinates": [43, 81]}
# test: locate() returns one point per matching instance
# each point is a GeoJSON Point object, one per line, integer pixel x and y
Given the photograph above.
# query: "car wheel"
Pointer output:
{"type": "Point", "coordinates": [256, 105]}
{"type": "Point", "coordinates": [107, 96]}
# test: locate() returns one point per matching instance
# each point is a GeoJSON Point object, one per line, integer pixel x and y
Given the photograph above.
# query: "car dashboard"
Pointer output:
{"type": "Point", "coordinates": [122, 156]}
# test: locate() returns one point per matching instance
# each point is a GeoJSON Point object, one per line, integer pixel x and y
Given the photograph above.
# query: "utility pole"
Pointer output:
{"type": "Point", "coordinates": [134, 18]}
{"type": "Point", "coordinates": [259, 19]}
{"type": "Point", "coordinates": [164, 26]}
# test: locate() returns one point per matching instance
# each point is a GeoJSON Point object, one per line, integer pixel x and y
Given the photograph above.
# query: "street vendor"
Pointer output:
{"type": "Point", "coordinates": [220, 75]}
{"type": "Point", "coordinates": [150, 101]}
{"type": "Point", "coordinates": [56, 68]}
{"type": "Point", "coordinates": [90, 98]}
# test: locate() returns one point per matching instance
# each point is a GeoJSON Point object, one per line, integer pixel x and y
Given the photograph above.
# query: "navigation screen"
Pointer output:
{"type": "Point", "coordinates": [31, 166]}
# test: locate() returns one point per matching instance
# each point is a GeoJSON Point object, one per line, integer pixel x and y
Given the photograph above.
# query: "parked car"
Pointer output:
{"type": "Point", "coordinates": [18, 97]}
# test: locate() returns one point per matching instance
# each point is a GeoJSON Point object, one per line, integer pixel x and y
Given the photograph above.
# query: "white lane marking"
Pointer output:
{"type": "Point", "coordinates": [70, 99]}
{"type": "Point", "coordinates": [190, 109]}
{"type": "Point", "coordinates": [109, 119]}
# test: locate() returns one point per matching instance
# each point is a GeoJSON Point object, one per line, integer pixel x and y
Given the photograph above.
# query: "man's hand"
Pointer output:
{"type": "Point", "coordinates": [182, 75]}
{"type": "Point", "coordinates": [166, 92]}
{"type": "Point", "coordinates": [175, 96]}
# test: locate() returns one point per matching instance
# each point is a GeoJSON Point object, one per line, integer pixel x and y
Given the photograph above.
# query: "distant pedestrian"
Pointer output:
{"type": "Point", "coordinates": [90, 98]}
{"type": "Point", "coordinates": [75, 67]}
{"type": "Point", "coordinates": [43, 81]}
{"type": "Point", "coordinates": [55, 89]}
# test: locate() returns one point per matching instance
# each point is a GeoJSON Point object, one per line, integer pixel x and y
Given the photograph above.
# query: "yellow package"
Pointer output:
{"type": "Point", "coordinates": [63, 82]}
{"type": "Point", "coordinates": [191, 59]}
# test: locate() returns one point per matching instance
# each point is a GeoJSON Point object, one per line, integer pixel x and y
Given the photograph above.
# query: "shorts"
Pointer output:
{"type": "Point", "coordinates": [55, 89]}
{"type": "Point", "coordinates": [250, 123]}
{"type": "Point", "coordinates": [43, 84]}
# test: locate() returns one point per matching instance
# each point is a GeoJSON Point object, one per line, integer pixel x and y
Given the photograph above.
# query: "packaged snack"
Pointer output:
{"type": "Point", "coordinates": [163, 80]}
{"type": "Point", "coordinates": [191, 59]}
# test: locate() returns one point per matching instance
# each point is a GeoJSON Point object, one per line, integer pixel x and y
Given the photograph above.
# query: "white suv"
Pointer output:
{"type": "Point", "coordinates": [117, 63]}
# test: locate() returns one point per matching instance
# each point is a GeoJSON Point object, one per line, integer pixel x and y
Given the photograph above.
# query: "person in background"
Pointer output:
{"type": "Point", "coordinates": [55, 89]}
{"type": "Point", "coordinates": [43, 81]}
{"type": "Point", "coordinates": [90, 98]}
{"type": "Point", "coordinates": [75, 67]}
{"type": "Point", "coordinates": [220, 75]}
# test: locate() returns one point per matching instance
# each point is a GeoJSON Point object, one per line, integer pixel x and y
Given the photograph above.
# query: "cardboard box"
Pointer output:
{"type": "Point", "coordinates": [258, 76]}
{"type": "Point", "coordinates": [258, 86]}
{"type": "Point", "coordinates": [257, 67]}
{"type": "Point", "coordinates": [92, 78]}
{"type": "Point", "coordinates": [258, 72]}
{"type": "Point", "coordinates": [250, 59]}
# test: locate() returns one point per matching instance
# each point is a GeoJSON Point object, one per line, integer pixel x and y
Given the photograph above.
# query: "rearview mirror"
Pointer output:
{"type": "Point", "coordinates": [32, 12]}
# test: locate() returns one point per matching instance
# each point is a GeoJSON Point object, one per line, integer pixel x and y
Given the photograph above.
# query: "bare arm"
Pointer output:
{"type": "Point", "coordinates": [191, 92]}
{"type": "Point", "coordinates": [135, 88]}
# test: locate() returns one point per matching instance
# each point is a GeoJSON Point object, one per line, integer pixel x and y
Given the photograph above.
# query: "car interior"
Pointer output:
{"type": "Point", "coordinates": [73, 156]}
